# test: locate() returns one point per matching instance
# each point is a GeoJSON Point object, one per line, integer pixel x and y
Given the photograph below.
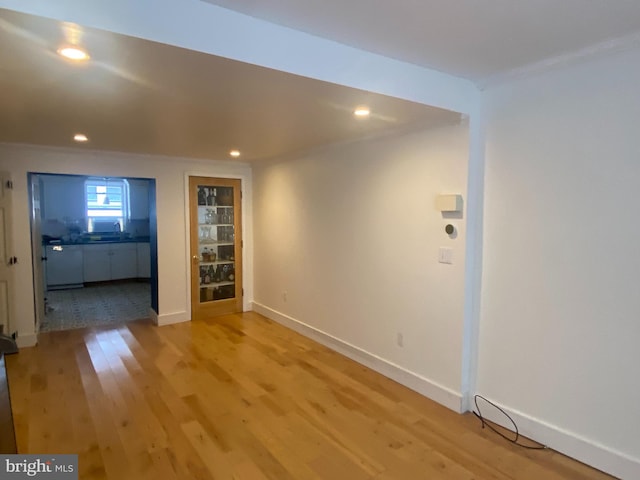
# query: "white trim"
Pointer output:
{"type": "Point", "coordinates": [473, 254]}
{"type": "Point", "coordinates": [414, 381]}
{"type": "Point", "coordinates": [25, 341]}
{"type": "Point", "coordinates": [209, 162]}
{"type": "Point", "coordinates": [569, 443]}
{"type": "Point", "coordinates": [170, 318]}
{"type": "Point", "coordinates": [607, 47]}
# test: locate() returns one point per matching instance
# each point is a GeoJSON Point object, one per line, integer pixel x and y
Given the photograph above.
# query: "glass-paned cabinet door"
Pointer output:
{"type": "Point", "coordinates": [216, 246]}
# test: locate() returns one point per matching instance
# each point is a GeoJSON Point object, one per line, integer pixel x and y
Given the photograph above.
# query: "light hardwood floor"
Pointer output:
{"type": "Point", "coordinates": [240, 397]}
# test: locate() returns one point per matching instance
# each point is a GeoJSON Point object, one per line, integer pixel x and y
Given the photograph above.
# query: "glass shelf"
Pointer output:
{"type": "Point", "coordinates": [217, 262]}
{"type": "Point", "coordinates": [216, 243]}
{"type": "Point", "coordinates": [215, 208]}
{"type": "Point", "coordinates": [214, 285]}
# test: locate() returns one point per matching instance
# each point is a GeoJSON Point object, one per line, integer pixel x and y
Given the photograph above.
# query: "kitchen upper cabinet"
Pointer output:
{"type": "Point", "coordinates": [63, 197]}
{"type": "Point", "coordinates": [139, 198]}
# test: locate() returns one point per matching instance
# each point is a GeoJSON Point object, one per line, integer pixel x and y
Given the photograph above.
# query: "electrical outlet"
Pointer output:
{"type": "Point", "coordinates": [400, 339]}
{"type": "Point", "coordinates": [285, 296]}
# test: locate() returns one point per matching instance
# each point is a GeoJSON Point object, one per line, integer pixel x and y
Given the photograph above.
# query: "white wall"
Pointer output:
{"type": "Point", "coordinates": [560, 329]}
{"type": "Point", "coordinates": [351, 234]}
{"type": "Point", "coordinates": [172, 220]}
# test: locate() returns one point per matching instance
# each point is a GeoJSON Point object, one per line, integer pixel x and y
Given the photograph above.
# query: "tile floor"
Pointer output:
{"type": "Point", "coordinates": [103, 304]}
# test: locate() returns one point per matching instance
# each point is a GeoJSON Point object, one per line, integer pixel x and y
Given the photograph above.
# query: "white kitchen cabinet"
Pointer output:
{"type": "Point", "coordinates": [123, 261]}
{"type": "Point", "coordinates": [64, 266]}
{"type": "Point", "coordinates": [139, 198]}
{"type": "Point", "coordinates": [63, 197]}
{"type": "Point", "coordinates": [109, 261]}
{"type": "Point", "coordinates": [97, 262]}
{"type": "Point", "coordinates": [144, 260]}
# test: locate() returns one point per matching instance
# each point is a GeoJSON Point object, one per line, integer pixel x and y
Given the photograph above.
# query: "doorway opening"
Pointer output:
{"type": "Point", "coordinates": [94, 250]}
{"type": "Point", "coordinates": [97, 304]}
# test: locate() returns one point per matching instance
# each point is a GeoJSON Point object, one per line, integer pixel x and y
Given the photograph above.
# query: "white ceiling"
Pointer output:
{"type": "Point", "coordinates": [139, 96]}
{"type": "Point", "coordinates": [475, 39]}
{"type": "Point", "coordinates": [146, 97]}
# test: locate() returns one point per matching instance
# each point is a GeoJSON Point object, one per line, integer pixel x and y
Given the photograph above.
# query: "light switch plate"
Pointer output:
{"type": "Point", "coordinates": [445, 255]}
{"type": "Point", "coordinates": [449, 203]}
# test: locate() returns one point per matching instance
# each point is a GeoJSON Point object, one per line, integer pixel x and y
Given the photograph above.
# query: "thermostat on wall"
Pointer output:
{"type": "Point", "coordinates": [449, 203]}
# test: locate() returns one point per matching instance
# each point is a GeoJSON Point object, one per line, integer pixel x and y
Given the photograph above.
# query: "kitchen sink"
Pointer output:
{"type": "Point", "coordinates": [106, 237]}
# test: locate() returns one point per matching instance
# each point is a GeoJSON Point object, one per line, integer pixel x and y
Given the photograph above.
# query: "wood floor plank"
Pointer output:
{"type": "Point", "coordinates": [241, 397]}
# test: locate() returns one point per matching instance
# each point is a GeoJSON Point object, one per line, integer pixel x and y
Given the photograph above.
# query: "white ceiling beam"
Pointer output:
{"type": "Point", "coordinates": [200, 26]}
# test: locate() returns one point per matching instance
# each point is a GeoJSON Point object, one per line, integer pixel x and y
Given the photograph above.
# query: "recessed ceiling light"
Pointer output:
{"type": "Point", "coordinates": [80, 137]}
{"type": "Point", "coordinates": [73, 52]}
{"type": "Point", "coordinates": [234, 153]}
{"type": "Point", "coordinates": [362, 112]}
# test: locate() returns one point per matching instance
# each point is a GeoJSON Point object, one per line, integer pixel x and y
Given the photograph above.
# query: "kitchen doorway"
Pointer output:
{"type": "Point", "coordinates": [94, 257]}
{"type": "Point", "coordinates": [109, 303]}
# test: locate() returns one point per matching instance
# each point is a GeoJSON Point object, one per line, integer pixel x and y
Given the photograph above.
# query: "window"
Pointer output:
{"type": "Point", "coordinates": [107, 204]}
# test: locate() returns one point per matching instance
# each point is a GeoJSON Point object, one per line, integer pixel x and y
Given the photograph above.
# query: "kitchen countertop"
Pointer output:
{"type": "Point", "coordinates": [95, 240]}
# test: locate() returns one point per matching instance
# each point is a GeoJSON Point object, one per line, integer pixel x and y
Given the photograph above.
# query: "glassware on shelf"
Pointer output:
{"type": "Point", "coordinates": [214, 246]}
{"type": "Point", "coordinates": [208, 255]}
{"type": "Point", "coordinates": [211, 196]}
{"type": "Point", "coordinates": [205, 276]}
{"type": "Point", "coordinates": [202, 196]}
{"type": "Point", "coordinates": [225, 233]}
{"type": "Point", "coordinates": [205, 234]}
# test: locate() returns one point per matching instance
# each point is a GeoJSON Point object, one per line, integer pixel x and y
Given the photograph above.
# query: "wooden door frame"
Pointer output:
{"type": "Point", "coordinates": [191, 180]}
{"type": "Point", "coordinates": [37, 250]}
{"type": "Point", "coordinates": [7, 258]}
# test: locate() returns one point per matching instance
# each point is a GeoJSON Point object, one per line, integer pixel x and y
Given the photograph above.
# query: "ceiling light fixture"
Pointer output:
{"type": "Point", "coordinates": [362, 112]}
{"type": "Point", "coordinates": [80, 137]}
{"type": "Point", "coordinates": [73, 52]}
{"type": "Point", "coordinates": [234, 153]}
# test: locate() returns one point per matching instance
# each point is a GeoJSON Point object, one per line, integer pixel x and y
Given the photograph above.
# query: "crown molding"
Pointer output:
{"type": "Point", "coordinates": [601, 49]}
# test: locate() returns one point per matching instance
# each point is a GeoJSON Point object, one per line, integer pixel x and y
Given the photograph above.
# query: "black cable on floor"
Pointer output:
{"type": "Point", "coordinates": [490, 424]}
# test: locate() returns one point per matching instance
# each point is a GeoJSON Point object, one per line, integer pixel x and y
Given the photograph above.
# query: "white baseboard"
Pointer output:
{"type": "Point", "coordinates": [587, 451]}
{"type": "Point", "coordinates": [418, 383]}
{"type": "Point", "coordinates": [169, 318]}
{"type": "Point", "coordinates": [25, 341]}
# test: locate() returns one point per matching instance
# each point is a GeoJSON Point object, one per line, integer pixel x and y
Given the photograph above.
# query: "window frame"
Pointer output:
{"type": "Point", "coordinates": [114, 187]}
